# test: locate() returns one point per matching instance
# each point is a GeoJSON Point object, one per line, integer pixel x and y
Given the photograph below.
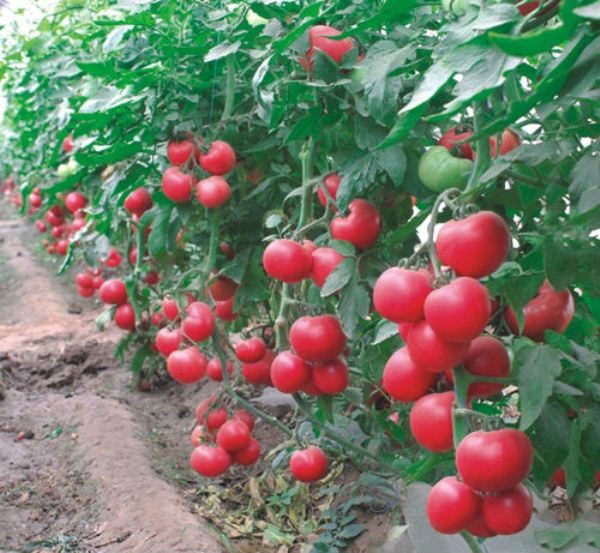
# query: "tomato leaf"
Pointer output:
{"type": "Point", "coordinates": [340, 276]}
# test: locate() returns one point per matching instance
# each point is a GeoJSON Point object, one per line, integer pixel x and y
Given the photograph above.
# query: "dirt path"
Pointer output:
{"type": "Point", "coordinates": [91, 477]}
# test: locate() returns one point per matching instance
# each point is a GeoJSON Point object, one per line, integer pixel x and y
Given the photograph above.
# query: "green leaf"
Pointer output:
{"type": "Point", "coordinates": [585, 185]}
{"type": "Point", "coordinates": [385, 330]}
{"type": "Point", "coordinates": [340, 276]}
{"type": "Point", "coordinates": [222, 50]}
{"type": "Point", "coordinates": [343, 247]}
{"type": "Point", "coordinates": [354, 304]}
{"type": "Point", "coordinates": [157, 240]}
{"type": "Point", "coordinates": [393, 161]}
{"type": "Point", "coordinates": [352, 531]}
{"type": "Point", "coordinates": [534, 42]}
{"type": "Point", "coordinates": [358, 174]}
{"type": "Point", "coordinates": [591, 11]}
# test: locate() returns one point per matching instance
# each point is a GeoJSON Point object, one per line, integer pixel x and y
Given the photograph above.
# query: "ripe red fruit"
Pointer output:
{"type": "Point", "coordinates": [200, 324]}
{"type": "Point", "coordinates": [309, 465]}
{"type": "Point", "coordinates": [331, 183]}
{"type": "Point", "coordinates": [35, 200]}
{"type": "Point", "coordinates": [204, 407]}
{"type": "Point", "coordinates": [67, 144]}
{"type": "Point", "coordinates": [508, 141]}
{"type": "Point", "coordinates": [40, 226]}
{"type": "Point", "coordinates": [180, 153]}
{"type": "Point", "coordinates": [55, 216]}
{"type": "Point", "coordinates": [431, 421]}
{"type": "Point", "coordinates": [249, 455]}
{"type": "Point", "coordinates": [113, 291]}
{"type": "Point", "coordinates": [152, 278]}
{"type": "Point", "coordinates": [318, 38]}
{"type": "Point", "coordinates": [167, 341]}
{"type": "Point", "coordinates": [487, 356]}
{"type": "Point", "coordinates": [170, 309]}
{"type": "Point", "coordinates": [459, 311]}
{"type": "Point", "coordinates": [98, 281]}
{"type": "Point", "coordinates": [361, 227]}
{"type": "Point", "coordinates": [287, 261]}
{"type": "Point", "coordinates": [259, 372]}
{"type": "Point", "coordinates": [213, 192]}
{"type": "Point", "coordinates": [157, 319]}
{"type": "Point", "coordinates": [559, 478]}
{"type": "Point", "coordinates": [331, 377]}
{"type": "Point", "coordinates": [61, 247]}
{"type": "Point", "coordinates": [138, 202]}
{"type": "Point", "coordinates": [187, 365]}
{"type": "Point", "coordinates": [220, 158]}
{"type": "Point", "coordinates": [125, 317]}
{"type": "Point", "coordinates": [432, 353]}
{"type": "Point", "coordinates": [250, 350]}
{"type": "Point", "coordinates": [214, 369]}
{"type": "Point", "coordinates": [399, 294]}
{"type": "Point", "coordinates": [215, 419]}
{"type": "Point", "coordinates": [245, 417]}
{"type": "Point", "coordinates": [324, 262]}
{"type": "Point", "coordinates": [508, 512]}
{"type": "Point", "coordinates": [451, 506]}
{"type": "Point", "coordinates": [494, 461]}
{"type": "Point", "coordinates": [549, 310]}
{"type": "Point", "coordinates": [210, 461]}
{"type": "Point", "coordinates": [224, 310]}
{"type": "Point", "coordinates": [452, 137]}
{"type": "Point", "coordinates": [475, 246]}
{"type": "Point", "coordinates": [222, 288]}
{"type": "Point", "coordinates": [84, 280]}
{"type": "Point", "coordinates": [479, 528]}
{"type": "Point", "coordinates": [289, 373]}
{"type": "Point", "coordinates": [319, 338]}
{"type": "Point", "coordinates": [233, 435]}
{"type": "Point", "coordinates": [75, 201]}
{"type": "Point", "coordinates": [85, 292]}
{"type": "Point", "coordinates": [177, 186]}
{"type": "Point", "coordinates": [403, 379]}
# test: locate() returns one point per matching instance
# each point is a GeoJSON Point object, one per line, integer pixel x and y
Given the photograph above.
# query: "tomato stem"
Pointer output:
{"type": "Point", "coordinates": [472, 542]}
{"type": "Point", "coordinates": [229, 88]}
{"type": "Point", "coordinates": [213, 244]}
{"type": "Point", "coordinates": [482, 161]}
{"type": "Point", "coordinates": [306, 203]}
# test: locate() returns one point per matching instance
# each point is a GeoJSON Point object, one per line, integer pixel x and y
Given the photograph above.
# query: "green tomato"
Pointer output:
{"type": "Point", "coordinates": [457, 7]}
{"type": "Point", "coordinates": [440, 170]}
{"type": "Point", "coordinates": [65, 170]}
{"type": "Point", "coordinates": [254, 20]}
{"type": "Point", "coordinates": [358, 74]}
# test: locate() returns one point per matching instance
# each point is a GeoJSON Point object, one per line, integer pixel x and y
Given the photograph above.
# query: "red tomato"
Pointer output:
{"type": "Point", "coordinates": [210, 461]}
{"type": "Point", "coordinates": [309, 465]}
{"type": "Point", "coordinates": [404, 330]}
{"type": "Point", "coordinates": [152, 278]}
{"type": "Point", "coordinates": [224, 310]}
{"type": "Point", "coordinates": [233, 435]}
{"type": "Point", "coordinates": [245, 417]}
{"type": "Point", "coordinates": [361, 227]}
{"type": "Point", "coordinates": [198, 435]}
{"type": "Point", "coordinates": [215, 419]}
{"type": "Point", "coordinates": [40, 226]}
{"type": "Point", "coordinates": [331, 377]}
{"type": "Point", "coordinates": [98, 281]}
{"type": "Point", "coordinates": [138, 201]}
{"type": "Point", "coordinates": [287, 261]}
{"type": "Point", "coordinates": [214, 369]}
{"type": "Point", "coordinates": [158, 319]}
{"type": "Point", "coordinates": [67, 144]}
{"type": "Point", "coordinates": [404, 380]}
{"type": "Point", "coordinates": [487, 356]}
{"type": "Point", "coordinates": [220, 158]}
{"type": "Point", "coordinates": [114, 258]}
{"type": "Point", "coordinates": [55, 216]}
{"type": "Point", "coordinates": [61, 247]}
{"type": "Point", "coordinates": [250, 350]}
{"type": "Point", "coordinates": [259, 372]}
{"type": "Point", "coordinates": [222, 288]}
{"type": "Point", "coordinates": [75, 201]}
{"type": "Point", "coordinates": [58, 231]}
{"type": "Point", "coordinates": [249, 455]}
{"type": "Point", "coordinates": [187, 365]}
{"type": "Point", "coordinates": [324, 262]}
{"type": "Point", "coordinates": [399, 294]}
{"type": "Point", "coordinates": [508, 512]}
{"type": "Point", "coordinates": [494, 461]}
{"type": "Point", "coordinates": [475, 246]}
{"type": "Point", "coordinates": [431, 352]}
{"type": "Point", "coordinates": [559, 478]}
{"type": "Point", "coordinates": [85, 292]}
{"type": "Point", "coordinates": [226, 250]}
{"type": "Point", "coordinates": [310, 389]}
{"type": "Point", "coordinates": [431, 421]}
{"type": "Point", "coordinates": [289, 373]}
{"type": "Point", "coordinates": [35, 200]}
{"type": "Point", "coordinates": [125, 317]}
{"type": "Point", "coordinates": [319, 338]}
{"type": "Point", "coordinates": [213, 192]}
{"type": "Point", "coordinates": [167, 341]}
{"type": "Point", "coordinates": [331, 183]}
{"type": "Point", "coordinates": [549, 310]}
{"type": "Point", "coordinates": [200, 324]}
{"type": "Point", "coordinates": [170, 309]}
{"type": "Point", "coordinates": [180, 153]}
{"type": "Point", "coordinates": [479, 528]}
{"type": "Point", "coordinates": [113, 291]}
{"type": "Point", "coordinates": [508, 141]}
{"type": "Point", "coordinates": [84, 280]}
{"type": "Point", "coordinates": [78, 224]}
{"type": "Point", "coordinates": [451, 506]}
{"type": "Point", "coordinates": [459, 311]}
{"type": "Point", "coordinates": [452, 137]}
{"type": "Point", "coordinates": [177, 186]}
{"type": "Point", "coordinates": [318, 40]}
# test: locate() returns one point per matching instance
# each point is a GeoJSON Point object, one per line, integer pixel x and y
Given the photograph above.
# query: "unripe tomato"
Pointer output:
{"type": "Point", "coordinates": [84, 280]}
{"type": "Point", "coordinates": [508, 512]}
{"type": "Point", "coordinates": [431, 421]}
{"type": "Point", "coordinates": [125, 317]}
{"type": "Point", "coordinates": [210, 461]}
{"type": "Point", "coordinates": [170, 309]}
{"type": "Point", "coordinates": [432, 353]}
{"type": "Point", "coordinates": [309, 465]}
{"type": "Point", "coordinates": [474, 246]}
{"type": "Point", "coordinates": [250, 350]}
{"type": "Point", "coordinates": [440, 170]}
{"type": "Point", "coordinates": [549, 310]}
{"type": "Point", "coordinates": [494, 461]}
{"type": "Point", "coordinates": [199, 435]}
{"type": "Point", "coordinates": [361, 227]}
{"type": "Point", "coordinates": [167, 341]}
{"type": "Point", "coordinates": [180, 153]}
{"type": "Point", "coordinates": [233, 435]}
{"type": "Point", "coordinates": [214, 369]}
{"type": "Point", "coordinates": [213, 192]}
{"type": "Point", "coordinates": [200, 324]}
{"type": "Point", "coordinates": [75, 201]}
{"type": "Point", "coordinates": [224, 310]}
{"type": "Point", "coordinates": [487, 356]}
{"type": "Point", "coordinates": [259, 372]}
{"type": "Point", "coordinates": [177, 186]}
{"type": "Point", "coordinates": [187, 365]}
{"type": "Point", "coordinates": [289, 373]}
{"type": "Point", "coordinates": [85, 292]}
{"type": "Point", "coordinates": [399, 294]}
{"type": "Point", "coordinates": [67, 144]}
{"type": "Point", "coordinates": [245, 417]}
{"type": "Point", "coordinates": [287, 261]}
{"type": "Point", "coordinates": [222, 288]}
{"type": "Point", "coordinates": [138, 201]}
{"type": "Point", "coordinates": [331, 183]}
{"type": "Point", "coordinates": [331, 377]}
{"type": "Point", "coordinates": [324, 262]}
{"type": "Point", "coordinates": [451, 506]}
{"type": "Point", "coordinates": [249, 455]}
{"type": "Point", "coordinates": [319, 338]}
{"type": "Point", "coordinates": [403, 379]}
{"type": "Point", "coordinates": [318, 40]}
{"type": "Point", "coordinates": [113, 291]}
{"type": "Point", "coordinates": [220, 158]}
{"type": "Point", "coordinates": [451, 139]}
{"type": "Point", "coordinates": [459, 311]}
{"type": "Point", "coordinates": [479, 528]}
